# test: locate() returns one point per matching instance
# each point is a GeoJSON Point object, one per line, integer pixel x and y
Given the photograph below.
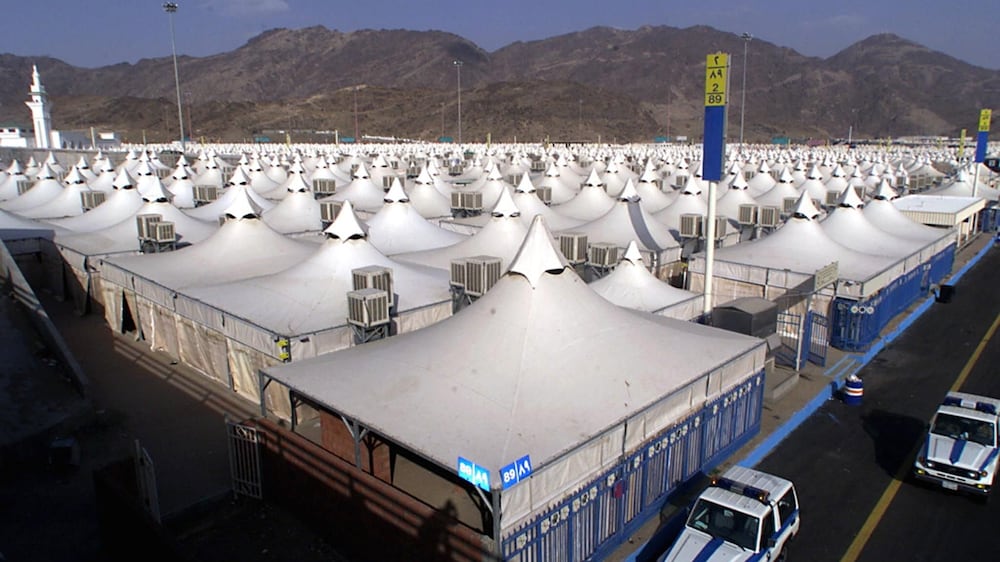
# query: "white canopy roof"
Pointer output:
{"type": "Point", "coordinates": [540, 365]}
{"type": "Point", "coordinates": [397, 227]}
{"type": "Point", "coordinates": [121, 204]}
{"type": "Point", "coordinates": [627, 221]}
{"type": "Point", "coordinates": [633, 286]}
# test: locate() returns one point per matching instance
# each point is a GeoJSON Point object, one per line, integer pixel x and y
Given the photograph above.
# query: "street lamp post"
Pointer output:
{"type": "Point", "coordinates": [458, 71]}
{"type": "Point", "coordinates": [171, 8]}
{"type": "Point", "coordinates": [743, 94]}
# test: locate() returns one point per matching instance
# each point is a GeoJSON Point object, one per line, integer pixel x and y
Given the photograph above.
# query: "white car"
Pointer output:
{"type": "Point", "coordinates": [960, 451]}
{"type": "Point", "coordinates": [744, 515]}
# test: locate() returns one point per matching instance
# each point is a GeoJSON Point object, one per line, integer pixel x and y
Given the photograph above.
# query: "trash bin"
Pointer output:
{"type": "Point", "coordinates": [854, 389]}
{"type": "Point", "coordinates": [945, 292]}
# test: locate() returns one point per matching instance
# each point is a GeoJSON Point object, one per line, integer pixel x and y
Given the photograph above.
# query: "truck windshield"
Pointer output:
{"type": "Point", "coordinates": [968, 429]}
{"type": "Point", "coordinates": [725, 523]}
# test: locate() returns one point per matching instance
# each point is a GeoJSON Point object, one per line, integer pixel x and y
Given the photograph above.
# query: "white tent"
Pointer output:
{"type": "Point", "coordinates": [45, 189]}
{"type": "Point", "coordinates": [297, 212]}
{"type": "Point", "coordinates": [500, 237]}
{"type": "Point", "coordinates": [884, 215]}
{"type": "Point", "coordinates": [363, 193]}
{"type": "Point", "coordinates": [398, 228]}
{"type": "Point", "coordinates": [68, 203]}
{"type": "Point", "coordinates": [121, 204]}
{"type": "Point", "coordinates": [848, 225]}
{"type": "Point", "coordinates": [540, 365]}
{"type": "Point", "coordinates": [590, 203]}
{"type": "Point", "coordinates": [632, 285]}
{"type": "Point", "coordinates": [426, 198]}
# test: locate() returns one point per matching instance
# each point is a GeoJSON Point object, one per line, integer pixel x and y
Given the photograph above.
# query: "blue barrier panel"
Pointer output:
{"type": "Point", "coordinates": [598, 516]}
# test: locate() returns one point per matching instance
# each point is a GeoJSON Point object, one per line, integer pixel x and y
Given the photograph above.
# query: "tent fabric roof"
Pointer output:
{"type": "Point", "coordinates": [539, 365]}
{"type": "Point", "coordinates": [633, 286]}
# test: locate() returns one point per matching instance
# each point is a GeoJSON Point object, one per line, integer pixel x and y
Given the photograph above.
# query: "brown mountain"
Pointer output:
{"type": "Point", "coordinates": [624, 85]}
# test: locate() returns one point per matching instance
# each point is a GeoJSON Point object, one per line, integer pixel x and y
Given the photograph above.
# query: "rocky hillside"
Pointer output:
{"type": "Point", "coordinates": [619, 84]}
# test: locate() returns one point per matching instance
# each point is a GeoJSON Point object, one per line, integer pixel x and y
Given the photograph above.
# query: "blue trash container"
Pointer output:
{"type": "Point", "coordinates": [854, 390]}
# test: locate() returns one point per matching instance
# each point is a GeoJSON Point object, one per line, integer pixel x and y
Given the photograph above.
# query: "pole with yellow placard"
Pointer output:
{"type": "Point", "coordinates": [982, 139]}
{"type": "Point", "coordinates": [713, 154]}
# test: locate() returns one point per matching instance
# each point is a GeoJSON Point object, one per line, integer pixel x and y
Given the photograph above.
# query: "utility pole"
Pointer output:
{"type": "Point", "coordinates": [171, 9]}
{"type": "Point", "coordinates": [743, 94]}
{"type": "Point", "coordinates": [458, 70]}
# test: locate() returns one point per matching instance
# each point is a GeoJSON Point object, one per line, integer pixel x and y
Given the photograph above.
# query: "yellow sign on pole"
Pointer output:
{"type": "Point", "coordinates": [716, 79]}
{"type": "Point", "coordinates": [984, 120]}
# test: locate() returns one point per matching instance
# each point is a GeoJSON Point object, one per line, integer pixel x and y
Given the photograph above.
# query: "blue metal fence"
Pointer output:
{"type": "Point", "coordinates": [600, 515]}
{"type": "Point", "coordinates": [789, 328]}
{"type": "Point", "coordinates": [817, 338]}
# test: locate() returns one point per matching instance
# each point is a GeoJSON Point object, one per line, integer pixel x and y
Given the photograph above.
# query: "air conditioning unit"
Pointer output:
{"type": "Point", "coordinates": [354, 168]}
{"type": "Point", "coordinates": [368, 308]}
{"type": "Point", "coordinates": [544, 193]}
{"type": "Point", "coordinates": [574, 247]}
{"type": "Point", "coordinates": [749, 174]}
{"type": "Point", "coordinates": [412, 171]}
{"type": "Point", "coordinates": [456, 200]}
{"type": "Point", "coordinates": [324, 187]}
{"type": "Point", "coordinates": [680, 182]}
{"type": "Point", "coordinates": [456, 170]}
{"type": "Point", "coordinates": [513, 179]}
{"type": "Point", "coordinates": [691, 225]}
{"type": "Point", "coordinates": [91, 199]}
{"type": "Point", "coordinates": [458, 269]}
{"type": "Point", "coordinates": [144, 225]}
{"type": "Point", "coordinates": [328, 210]}
{"type": "Point", "coordinates": [481, 273]}
{"type": "Point", "coordinates": [538, 166]}
{"type": "Point", "coordinates": [373, 277]}
{"type": "Point", "coordinates": [720, 227]}
{"type": "Point", "coordinates": [602, 254]}
{"type": "Point", "coordinates": [163, 173]}
{"type": "Point", "coordinates": [164, 232]}
{"type": "Point", "coordinates": [788, 205]}
{"type": "Point", "coordinates": [387, 182]}
{"type": "Point", "coordinates": [747, 215]}
{"type": "Point", "coordinates": [206, 193]}
{"type": "Point", "coordinates": [902, 182]}
{"type": "Point", "coordinates": [584, 163]}
{"type": "Point", "coordinates": [832, 198]}
{"type": "Point", "coordinates": [770, 216]}
{"type": "Point", "coordinates": [472, 200]}
{"type": "Point", "coordinates": [23, 185]}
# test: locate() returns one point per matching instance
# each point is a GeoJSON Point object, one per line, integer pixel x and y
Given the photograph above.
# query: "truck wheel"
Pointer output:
{"type": "Point", "coordinates": [783, 555]}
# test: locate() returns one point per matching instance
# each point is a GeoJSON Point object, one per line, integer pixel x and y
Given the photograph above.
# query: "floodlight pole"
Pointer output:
{"type": "Point", "coordinates": [743, 90]}
{"type": "Point", "coordinates": [458, 71]}
{"type": "Point", "coordinates": [171, 9]}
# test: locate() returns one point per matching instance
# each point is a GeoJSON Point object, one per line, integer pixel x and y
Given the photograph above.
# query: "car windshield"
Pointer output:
{"type": "Point", "coordinates": [968, 429]}
{"type": "Point", "coordinates": [725, 523]}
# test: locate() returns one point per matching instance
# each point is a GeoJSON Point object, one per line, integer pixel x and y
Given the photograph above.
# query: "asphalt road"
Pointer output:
{"type": "Point", "coordinates": [843, 458]}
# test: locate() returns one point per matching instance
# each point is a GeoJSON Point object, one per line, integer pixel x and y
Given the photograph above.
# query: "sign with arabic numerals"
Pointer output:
{"type": "Point", "coordinates": [985, 116]}
{"type": "Point", "coordinates": [515, 472]}
{"type": "Point", "coordinates": [470, 471]}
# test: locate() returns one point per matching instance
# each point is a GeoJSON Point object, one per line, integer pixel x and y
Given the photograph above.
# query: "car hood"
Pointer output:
{"type": "Point", "coordinates": [695, 545]}
{"type": "Point", "coordinates": [958, 452]}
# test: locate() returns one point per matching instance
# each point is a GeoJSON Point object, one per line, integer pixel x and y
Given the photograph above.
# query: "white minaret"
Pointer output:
{"type": "Point", "coordinates": [39, 110]}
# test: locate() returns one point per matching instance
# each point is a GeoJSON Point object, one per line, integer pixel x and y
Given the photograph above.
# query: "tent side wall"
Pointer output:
{"type": "Point", "coordinates": [599, 514]}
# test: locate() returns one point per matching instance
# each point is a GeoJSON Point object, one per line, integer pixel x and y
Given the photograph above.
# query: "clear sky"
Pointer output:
{"type": "Point", "coordinates": [101, 32]}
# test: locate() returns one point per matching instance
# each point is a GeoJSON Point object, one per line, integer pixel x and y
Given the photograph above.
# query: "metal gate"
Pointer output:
{"type": "Point", "coordinates": [244, 459]}
{"type": "Point", "coordinates": [817, 337]}
{"type": "Point", "coordinates": [788, 328]}
{"type": "Point", "coordinates": [145, 477]}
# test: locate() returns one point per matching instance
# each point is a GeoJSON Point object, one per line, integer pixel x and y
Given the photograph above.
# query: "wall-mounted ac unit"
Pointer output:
{"type": "Point", "coordinates": [602, 254]}
{"type": "Point", "coordinates": [456, 200]}
{"type": "Point", "coordinates": [720, 227]}
{"type": "Point", "coordinates": [164, 232]}
{"type": "Point", "coordinates": [680, 182]}
{"type": "Point", "coordinates": [544, 193]}
{"type": "Point", "coordinates": [206, 193]}
{"type": "Point", "coordinates": [328, 210]}
{"type": "Point", "coordinates": [472, 200]}
{"type": "Point", "coordinates": [91, 199]}
{"type": "Point", "coordinates": [373, 277]}
{"type": "Point", "coordinates": [513, 179]}
{"type": "Point", "coordinates": [749, 174]}
{"type": "Point", "coordinates": [412, 171]}
{"type": "Point", "coordinates": [163, 173]}
{"type": "Point", "coordinates": [538, 166]}
{"type": "Point", "coordinates": [770, 216]}
{"type": "Point", "coordinates": [456, 170]}
{"type": "Point", "coordinates": [144, 225]}
{"type": "Point", "coordinates": [832, 198]}
{"type": "Point", "coordinates": [387, 182]}
{"type": "Point", "coordinates": [23, 185]}
{"type": "Point", "coordinates": [691, 225]}
{"type": "Point", "coordinates": [324, 187]}
{"type": "Point", "coordinates": [481, 273]}
{"type": "Point", "coordinates": [747, 215]}
{"type": "Point", "coordinates": [368, 307]}
{"type": "Point", "coordinates": [458, 269]}
{"type": "Point", "coordinates": [574, 247]}
{"type": "Point", "coordinates": [584, 163]}
{"type": "Point", "coordinates": [902, 182]}
{"type": "Point", "coordinates": [788, 205]}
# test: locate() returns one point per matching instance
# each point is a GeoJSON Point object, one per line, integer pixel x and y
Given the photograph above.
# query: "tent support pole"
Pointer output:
{"type": "Point", "coordinates": [261, 387]}
{"type": "Point", "coordinates": [357, 434]}
{"type": "Point", "coordinates": [495, 509]}
{"type": "Point", "coordinates": [294, 401]}
{"type": "Point", "coordinates": [709, 249]}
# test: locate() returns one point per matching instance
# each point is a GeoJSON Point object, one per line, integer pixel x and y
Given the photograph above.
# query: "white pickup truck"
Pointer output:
{"type": "Point", "coordinates": [745, 515]}
{"type": "Point", "coordinates": [960, 451]}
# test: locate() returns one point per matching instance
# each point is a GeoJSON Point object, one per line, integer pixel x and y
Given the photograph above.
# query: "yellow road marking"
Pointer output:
{"type": "Point", "coordinates": [865, 533]}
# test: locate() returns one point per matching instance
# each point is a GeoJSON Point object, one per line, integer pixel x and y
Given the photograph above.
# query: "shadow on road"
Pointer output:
{"type": "Point", "coordinates": [894, 436]}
